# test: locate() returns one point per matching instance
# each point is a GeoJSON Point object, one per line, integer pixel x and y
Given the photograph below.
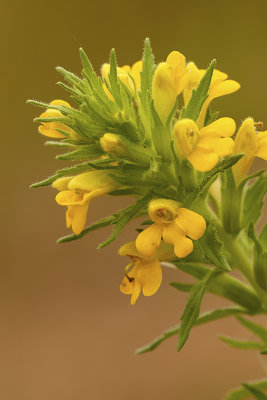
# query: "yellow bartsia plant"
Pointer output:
{"type": "Point", "coordinates": [182, 170]}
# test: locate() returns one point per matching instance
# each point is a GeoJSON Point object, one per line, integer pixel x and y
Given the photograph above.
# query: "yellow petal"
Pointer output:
{"type": "Point", "coordinates": [126, 68]}
{"type": "Point", "coordinates": [131, 286]}
{"type": "Point", "coordinates": [135, 73]}
{"type": "Point", "coordinates": [261, 138]}
{"type": "Point", "coordinates": [186, 136]}
{"type": "Point", "coordinates": [203, 159]}
{"type": "Point", "coordinates": [62, 183]}
{"type": "Point", "coordinates": [192, 80]}
{"type": "Point", "coordinates": [245, 141]}
{"type": "Point", "coordinates": [223, 88]}
{"type": "Point", "coordinates": [129, 249]}
{"type": "Point", "coordinates": [112, 143]}
{"type": "Point", "coordinates": [220, 146]}
{"type": "Point", "coordinates": [172, 233]}
{"type": "Point", "coordinates": [149, 275]}
{"type": "Point", "coordinates": [135, 294]}
{"type": "Point", "coordinates": [127, 285]}
{"type": "Point", "coordinates": [149, 239]}
{"type": "Point", "coordinates": [192, 224]}
{"type": "Point", "coordinates": [89, 181]}
{"type": "Point", "coordinates": [68, 198]}
{"type": "Point", "coordinates": [262, 151]}
{"type": "Point", "coordinates": [76, 217]}
{"type": "Point", "coordinates": [50, 131]}
{"type": "Point", "coordinates": [222, 127]}
{"type": "Point", "coordinates": [176, 60]}
{"type": "Point", "coordinates": [60, 103]}
{"type": "Point", "coordinates": [218, 76]}
{"type": "Point", "coordinates": [163, 91]}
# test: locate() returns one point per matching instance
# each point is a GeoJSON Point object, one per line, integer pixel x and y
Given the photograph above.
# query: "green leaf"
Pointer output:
{"type": "Point", "coordinates": [63, 172]}
{"type": "Point", "coordinates": [95, 82]}
{"type": "Point", "coordinates": [225, 286]}
{"type": "Point", "coordinates": [192, 307]}
{"type": "Point", "coordinates": [206, 317]}
{"type": "Point", "coordinates": [183, 287]}
{"type": "Point", "coordinates": [148, 68]}
{"type": "Point", "coordinates": [213, 248]}
{"type": "Point", "coordinates": [72, 79]}
{"type": "Point", "coordinates": [123, 217]}
{"type": "Point", "coordinates": [242, 393]}
{"type": "Point", "coordinates": [241, 344]}
{"type": "Point", "coordinates": [82, 153]}
{"type": "Point", "coordinates": [199, 95]}
{"type": "Point", "coordinates": [258, 394]}
{"type": "Point", "coordinates": [255, 328]}
{"type": "Point", "coordinates": [99, 224]}
{"type": "Point", "coordinates": [253, 201]}
{"type": "Point", "coordinates": [113, 79]}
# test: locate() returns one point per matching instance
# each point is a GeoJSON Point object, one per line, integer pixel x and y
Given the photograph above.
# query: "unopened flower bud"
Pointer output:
{"type": "Point", "coordinates": [112, 144]}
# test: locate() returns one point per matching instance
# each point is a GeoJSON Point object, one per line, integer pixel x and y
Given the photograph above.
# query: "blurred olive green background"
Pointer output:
{"type": "Point", "coordinates": [67, 333]}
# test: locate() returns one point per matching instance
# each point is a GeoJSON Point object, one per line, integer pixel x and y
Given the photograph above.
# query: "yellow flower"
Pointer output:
{"type": "Point", "coordinates": [77, 193]}
{"type": "Point", "coordinates": [204, 147]}
{"type": "Point", "coordinates": [143, 273]}
{"type": "Point", "coordinates": [168, 82]}
{"type": "Point", "coordinates": [50, 128]}
{"type": "Point", "coordinates": [123, 74]}
{"type": "Point", "coordinates": [111, 143]}
{"type": "Point", "coordinates": [219, 86]}
{"type": "Point", "coordinates": [251, 143]}
{"type": "Point", "coordinates": [172, 223]}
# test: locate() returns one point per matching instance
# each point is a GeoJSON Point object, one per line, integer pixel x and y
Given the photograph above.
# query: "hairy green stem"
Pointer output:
{"type": "Point", "coordinates": [243, 263]}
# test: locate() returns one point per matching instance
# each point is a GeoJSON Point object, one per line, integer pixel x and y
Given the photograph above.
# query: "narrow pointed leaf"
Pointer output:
{"type": "Point", "coordinates": [242, 393]}
{"type": "Point", "coordinates": [255, 328]}
{"type": "Point", "coordinates": [206, 317]}
{"type": "Point", "coordinates": [241, 344]}
{"type": "Point", "coordinates": [199, 95]}
{"type": "Point", "coordinates": [192, 307]}
{"type": "Point", "coordinates": [124, 216]}
{"type": "Point", "coordinates": [99, 224]}
{"type": "Point", "coordinates": [63, 172]}
{"type": "Point", "coordinates": [257, 393]}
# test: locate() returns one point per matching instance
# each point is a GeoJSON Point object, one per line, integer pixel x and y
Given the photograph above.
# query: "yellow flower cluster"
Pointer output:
{"type": "Point", "coordinates": [173, 226]}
